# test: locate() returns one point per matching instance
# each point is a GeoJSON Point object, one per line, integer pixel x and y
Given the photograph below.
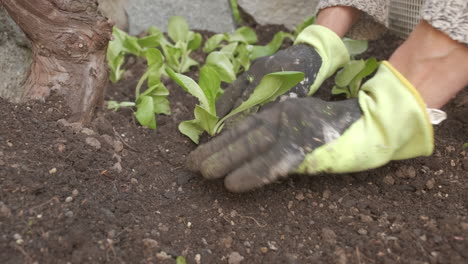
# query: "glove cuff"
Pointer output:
{"type": "Point", "coordinates": [394, 125]}
{"type": "Point", "coordinates": [329, 46]}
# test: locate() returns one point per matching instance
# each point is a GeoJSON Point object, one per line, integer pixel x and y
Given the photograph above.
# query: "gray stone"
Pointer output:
{"type": "Point", "coordinates": [93, 142]}
{"type": "Point", "coordinates": [212, 15]}
{"type": "Point", "coordinates": [283, 12]}
{"type": "Point", "coordinates": [15, 57]}
{"type": "Point", "coordinates": [235, 258]}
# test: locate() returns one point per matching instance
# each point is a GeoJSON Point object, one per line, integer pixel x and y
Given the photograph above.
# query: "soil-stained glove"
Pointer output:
{"type": "Point", "coordinates": [318, 52]}
{"type": "Point", "coordinates": [388, 122]}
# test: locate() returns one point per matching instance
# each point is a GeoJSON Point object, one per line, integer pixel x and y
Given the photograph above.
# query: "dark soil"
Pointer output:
{"type": "Point", "coordinates": [119, 193]}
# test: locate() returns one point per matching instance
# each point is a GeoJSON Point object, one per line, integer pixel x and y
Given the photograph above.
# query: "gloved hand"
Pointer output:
{"type": "Point", "coordinates": [318, 52]}
{"type": "Point", "coordinates": [388, 122]}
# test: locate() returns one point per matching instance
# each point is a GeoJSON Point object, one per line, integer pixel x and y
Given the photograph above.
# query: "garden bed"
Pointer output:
{"type": "Point", "coordinates": [119, 193]}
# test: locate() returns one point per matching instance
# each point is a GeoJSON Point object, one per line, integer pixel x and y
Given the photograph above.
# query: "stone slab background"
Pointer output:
{"type": "Point", "coordinates": [286, 12]}
{"type": "Point", "coordinates": [212, 15]}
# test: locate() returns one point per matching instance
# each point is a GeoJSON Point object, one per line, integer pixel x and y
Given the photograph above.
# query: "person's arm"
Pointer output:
{"type": "Point", "coordinates": [339, 19]}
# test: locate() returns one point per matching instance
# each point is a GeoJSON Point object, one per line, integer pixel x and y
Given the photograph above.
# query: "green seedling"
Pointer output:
{"type": "Point", "coordinates": [181, 260]}
{"type": "Point", "coordinates": [240, 49]}
{"type": "Point", "coordinates": [184, 41]}
{"type": "Point", "coordinates": [235, 11]}
{"type": "Point", "coordinates": [465, 145]}
{"type": "Point", "coordinates": [348, 80]}
{"type": "Point", "coordinates": [208, 90]}
{"type": "Point", "coordinates": [154, 99]}
{"type": "Point", "coordinates": [355, 47]}
{"type": "Point", "coordinates": [122, 45]}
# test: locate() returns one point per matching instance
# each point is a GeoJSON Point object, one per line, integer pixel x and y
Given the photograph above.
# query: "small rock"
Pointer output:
{"type": "Point", "coordinates": [53, 171]}
{"type": "Point", "coordinates": [235, 258]}
{"type": "Point", "coordinates": [365, 218]}
{"type": "Point", "coordinates": [61, 148]}
{"type": "Point", "coordinates": [150, 243]}
{"type": "Point", "coordinates": [4, 210]}
{"type": "Point", "coordinates": [362, 231]}
{"type": "Point", "coordinates": [2, 163]}
{"type": "Point", "coordinates": [247, 244]}
{"type": "Point", "coordinates": [93, 142]}
{"type": "Point", "coordinates": [69, 199]}
{"type": "Point", "coordinates": [326, 194]}
{"type": "Point", "coordinates": [133, 181]}
{"type": "Point", "coordinates": [118, 146]}
{"type": "Point", "coordinates": [163, 228]}
{"type": "Point", "coordinates": [389, 180]}
{"type": "Point", "coordinates": [430, 184]}
{"type": "Point", "coordinates": [108, 139]}
{"type": "Point", "coordinates": [163, 256]}
{"type": "Point", "coordinates": [75, 193]}
{"type": "Point", "coordinates": [117, 167]}
{"type": "Point", "coordinates": [300, 197]}
{"type": "Point", "coordinates": [17, 236]}
{"type": "Point", "coordinates": [88, 131]}
{"type": "Point", "coordinates": [264, 250]}
{"type": "Point", "coordinates": [406, 172]}
{"type": "Point", "coordinates": [69, 214]}
{"type": "Point", "coordinates": [340, 255]}
{"type": "Point", "coordinates": [272, 245]}
{"type": "Point", "coordinates": [197, 259]}
{"type": "Point", "coordinates": [226, 242]}
{"type": "Point", "coordinates": [111, 233]}
{"type": "Point", "coordinates": [464, 226]}
{"type": "Point", "coordinates": [328, 235]}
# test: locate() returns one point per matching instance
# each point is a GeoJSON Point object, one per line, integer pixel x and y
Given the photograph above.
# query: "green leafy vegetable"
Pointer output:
{"type": "Point", "coordinates": [270, 48]}
{"type": "Point", "coordinates": [208, 90]}
{"type": "Point", "coordinates": [235, 11]}
{"type": "Point", "coordinates": [185, 41]}
{"type": "Point", "coordinates": [121, 45]}
{"type": "Point", "coordinates": [270, 87]}
{"type": "Point", "coordinates": [355, 47]}
{"type": "Point", "coordinates": [348, 80]}
{"type": "Point", "coordinates": [154, 99]}
{"type": "Point", "coordinates": [181, 260]}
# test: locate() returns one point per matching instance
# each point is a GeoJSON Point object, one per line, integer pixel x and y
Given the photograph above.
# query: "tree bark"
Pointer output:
{"type": "Point", "coordinates": [69, 40]}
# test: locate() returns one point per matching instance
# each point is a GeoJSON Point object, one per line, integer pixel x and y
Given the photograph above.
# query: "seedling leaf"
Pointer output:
{"type": "Point", "coordinates": [223, 66]}
{"type": "Point", "coordinates": [213, 42]}
{"type": "Point", "coordinates": [190, 86]}
{"type": "Point", "coordinates": [355, 47]}
{"type": "Point", "coordinates": [270, 48]}
{"type": "Point", "coordinates": [244, 35]}
{"type": "Point", "coordinates": [271, 86]}
{"type": "Point", "coordinates": [178, 29]}
{"type": "Point", "coordinates": [145, 112]}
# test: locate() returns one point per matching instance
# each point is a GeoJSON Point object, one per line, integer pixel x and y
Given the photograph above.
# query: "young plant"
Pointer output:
{"type": "Point", "coordinates": [122, 45]}
{"type": "Point", "coordinates": [208, 90]}
{"type": "Point", "coordinates": [355, 47]}
{"type": "Point", "coordinates": [348, 80]}
{"type": "Point", "coordinates": [235, 11]}
{"type": "Point", "coordinates": [240, 48]}
{"type": "Point", "coordinates": [184, 41]}
{"type": "Point", "coordinates": [154, 99]}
